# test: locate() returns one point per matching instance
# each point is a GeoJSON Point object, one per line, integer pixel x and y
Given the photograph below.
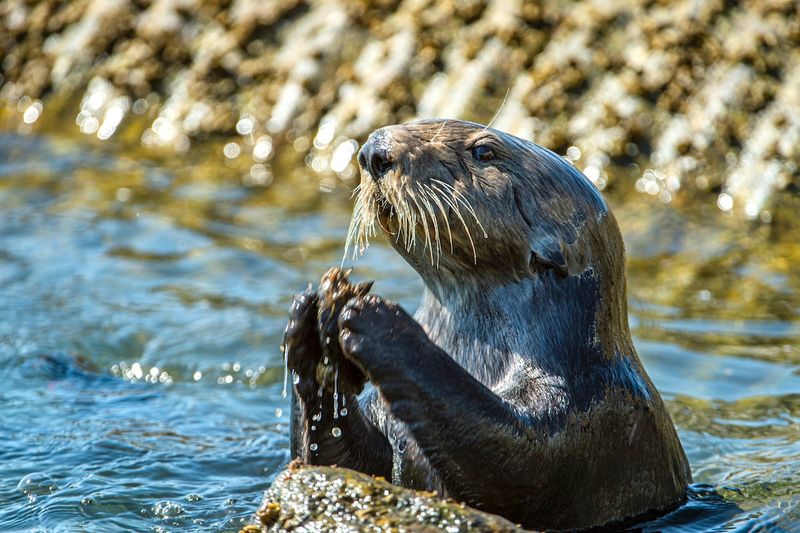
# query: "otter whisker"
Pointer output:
{"type": "Point", "coordinates": [355, 229]}
{"type": "Point", "coordinates": [430, 209]}
{"type": "Point", "coordinates": [386, 230]}
{"type": "Point", "coordinates": [438, 132]}
{"type": "Point", "coordinates": [447, 186]}
{"type": "Point", "coordinates": [424, 219]}
{"type": "Point", "coordinates": [411, 235]}
{"type": "Point", "coordinates": [403, 221]}
{"type": "Point", "coordinates": [457, 211]}
{"type": "Point", "coordinates": [436, 204]}
{"type": "Point", "coordinates": [434, 222]}
{"type": "Point", "coordinates": [459, 196]}
{"type": "Point", "coordinates": [442, 209]}
{"type": "Point", "coordinates": [368, 225]}
{"type": "Point", "coordinates": [502, 105]}
{"type": "Point", "coordinates": [411, 228]}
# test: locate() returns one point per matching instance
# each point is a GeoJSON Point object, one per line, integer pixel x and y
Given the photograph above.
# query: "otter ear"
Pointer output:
{"type": "Point", "coordinates": [545, 246]}
{"type": "Point", "coordinates": [546, 254]}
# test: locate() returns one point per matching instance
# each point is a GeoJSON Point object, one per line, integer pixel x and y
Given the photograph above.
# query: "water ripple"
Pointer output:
{"type": "Point", "coordinates": [142, 304]}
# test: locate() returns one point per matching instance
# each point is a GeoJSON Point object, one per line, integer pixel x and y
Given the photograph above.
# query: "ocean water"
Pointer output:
{"type": "Point", "coordinates": [142, 303]}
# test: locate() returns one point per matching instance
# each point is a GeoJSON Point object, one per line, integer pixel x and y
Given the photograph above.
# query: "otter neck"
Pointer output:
{"type": "Point", "coordinates": [487, 327]}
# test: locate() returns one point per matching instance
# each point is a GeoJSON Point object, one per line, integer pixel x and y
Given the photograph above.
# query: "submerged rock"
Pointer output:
{"type": "Point", "coordinates": [323, 498]}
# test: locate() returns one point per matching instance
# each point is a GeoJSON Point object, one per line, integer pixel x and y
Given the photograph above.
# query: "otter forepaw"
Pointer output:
{"type": "Point", "coordinates": [375, 334]}
{"type": "Point", "coordinates": [300, 340]}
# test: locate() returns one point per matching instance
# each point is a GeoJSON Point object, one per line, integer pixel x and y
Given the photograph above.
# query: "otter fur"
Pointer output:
{"type": "Point", "coordinates": [516, 387]}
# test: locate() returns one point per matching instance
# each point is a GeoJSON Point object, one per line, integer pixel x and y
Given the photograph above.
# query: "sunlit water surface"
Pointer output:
{"type": "Point", "coordinates": [142, 305]}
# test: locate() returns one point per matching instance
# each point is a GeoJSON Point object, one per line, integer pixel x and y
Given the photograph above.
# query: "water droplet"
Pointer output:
{"type": "Point", "coordinates": [313, 446]}
{"type": "Point", "coordinates": [313, 428]}
{"type": "Point", "coordinates": [279, 412]}
{"type": "Point", "coordinates": [336, 393]}
{"type": "Point", "coordinates": [36, 483]}
{"type": "Point", "coordinates": [316, 417]}
{"type": "Point", "coordinates": [285, 373]}
{"type": "Point", "coordinates": [167, 509]}
{"type": "Point", "coordinates": [295, 377]}
{"type": "Point", "coordinates": [343, 412]}
{"type": "Point", "coordinates": [336, 432]}
{"type": "Point", "coordinates": [327, 341]}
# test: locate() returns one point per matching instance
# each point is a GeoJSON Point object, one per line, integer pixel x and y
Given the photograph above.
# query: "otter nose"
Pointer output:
{"type": "Point", "coordinates": [375, 156]}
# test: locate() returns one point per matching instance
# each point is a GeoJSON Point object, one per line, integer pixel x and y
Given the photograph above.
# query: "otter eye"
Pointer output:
{"type": "Point", "coordinates": [482, 153]}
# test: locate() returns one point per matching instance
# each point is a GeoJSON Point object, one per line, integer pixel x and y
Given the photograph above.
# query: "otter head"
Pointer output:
{"type": "Point", "coordinates": [465, 204]}
{"type": "Point", "coordinates": [473, 201]}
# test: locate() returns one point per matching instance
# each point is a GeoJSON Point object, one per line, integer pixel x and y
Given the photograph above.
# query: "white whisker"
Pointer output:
{"type": "Point", "coordinates": [424, 219]}
{"type": "Point", "coordinates": [434, 222]}
{"type": "Point", "coordinates": [459, 196]}
{"type": "Point", "coordinates": [438, 132]}
{"type": "Point", "coordinates": [457, 211]}
{"type": "Point", "coordinates": [502, 105]}
{"type": "Point", "coordinates": [442, 209]}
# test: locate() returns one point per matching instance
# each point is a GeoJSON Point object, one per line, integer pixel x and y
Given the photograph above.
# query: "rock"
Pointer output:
{"type": "Point", "coordinates": [334, 371]}
{"type": "Point", "coordinates": [673, 96]}
{"type": "Point", "coordinates": [323, 498]}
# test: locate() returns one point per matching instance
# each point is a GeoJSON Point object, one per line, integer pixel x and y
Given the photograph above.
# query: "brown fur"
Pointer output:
{"type": "Point", "coordinates": [516, 387]}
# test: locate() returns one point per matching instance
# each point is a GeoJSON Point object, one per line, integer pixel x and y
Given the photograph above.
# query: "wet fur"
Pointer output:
{"type": "Point", "coordinates": [516, 387]}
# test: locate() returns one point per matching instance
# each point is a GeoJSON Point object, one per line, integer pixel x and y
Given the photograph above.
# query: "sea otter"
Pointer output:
{"type": "Point", "coordinates": [516, 387]}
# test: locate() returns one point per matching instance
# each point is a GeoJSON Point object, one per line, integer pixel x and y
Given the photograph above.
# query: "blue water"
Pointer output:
{"type": "Point", "coordinates": [142, 304]}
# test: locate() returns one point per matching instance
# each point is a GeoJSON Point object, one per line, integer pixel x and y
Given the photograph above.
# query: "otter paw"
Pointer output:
{"type": "Point", "coordinates": [300, 339]}
{"type": "Point", "coordinates": [375, 333]}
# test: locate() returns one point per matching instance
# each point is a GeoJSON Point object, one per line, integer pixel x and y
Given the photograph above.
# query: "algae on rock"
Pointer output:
{"type": "Point", "coordinates": [323, 498]}
{"type": "Point", "coordinates": [674, 95]}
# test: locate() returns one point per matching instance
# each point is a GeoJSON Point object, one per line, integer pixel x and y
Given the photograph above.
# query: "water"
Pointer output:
{"type": "Point", "coordinates": [142, 306]}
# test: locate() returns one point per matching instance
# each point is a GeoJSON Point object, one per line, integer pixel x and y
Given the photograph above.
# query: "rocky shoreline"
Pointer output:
{"type": "Point", "coordinates": [666, 95]}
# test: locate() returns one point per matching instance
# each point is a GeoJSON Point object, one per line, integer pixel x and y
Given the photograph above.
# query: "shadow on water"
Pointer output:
{"type": "Point", "coordinates": [705, 510]}
{"type": "Point", "coordinates": [142, 303]}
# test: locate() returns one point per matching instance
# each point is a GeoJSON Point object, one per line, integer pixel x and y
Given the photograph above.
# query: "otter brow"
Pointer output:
{"type": "Point", "coordinates": [484, 138]}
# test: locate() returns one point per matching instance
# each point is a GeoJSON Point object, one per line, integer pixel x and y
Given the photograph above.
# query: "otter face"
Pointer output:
{"type": "Point", "coordinates": [453, 196]}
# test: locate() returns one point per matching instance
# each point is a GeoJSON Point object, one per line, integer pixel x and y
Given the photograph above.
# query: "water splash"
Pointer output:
{"type": "Point", "coordinates": [285, 350]}
{"type": "Point", "coordinates": [336, 393]}
{"type": "Point", "coordinates": [397, 463]}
